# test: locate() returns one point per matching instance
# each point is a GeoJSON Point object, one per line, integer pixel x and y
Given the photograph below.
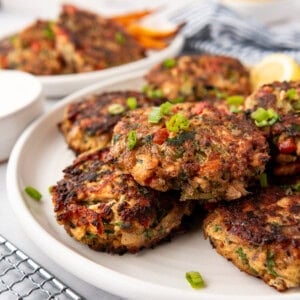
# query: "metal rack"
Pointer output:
{"type": "Point", "coordinates": [23, 278]}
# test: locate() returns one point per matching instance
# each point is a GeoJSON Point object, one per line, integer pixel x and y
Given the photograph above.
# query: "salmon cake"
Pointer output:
{"type": "Point", "coordinates": [33, 50]}
{"type": "Point", "coordinates": [260, 234]}
{"type": "Point", "coordinates": [106, 209]}
{"type": "Point", "coordinates": [88, 124]}
{"type": "Point", "coordinates": [275, 109]}
{"type": "Point", "coordinates": [192, 78]}
{"type": "Point", "coordinates": [193, 147]}
{"type": "Point", "coordinates": [90, 42]}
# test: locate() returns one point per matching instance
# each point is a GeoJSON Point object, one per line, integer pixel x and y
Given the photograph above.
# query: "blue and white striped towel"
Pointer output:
{"type": "Point", "coordinates": [213, 28]}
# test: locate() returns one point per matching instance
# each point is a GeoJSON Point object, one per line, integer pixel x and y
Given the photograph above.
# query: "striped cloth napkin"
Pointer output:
{"type": "Point", "coordinates": [214, 28]}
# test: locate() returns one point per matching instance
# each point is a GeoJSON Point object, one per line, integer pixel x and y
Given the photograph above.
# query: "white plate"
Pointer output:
{"type": "Point", "coordinates": [38, 159]}
{"type": "Point", "coordinates": [62, 85]}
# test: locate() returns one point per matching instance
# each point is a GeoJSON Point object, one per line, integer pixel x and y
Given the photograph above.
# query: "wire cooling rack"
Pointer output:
{"type": "Point", "coordinates": [22, 278]}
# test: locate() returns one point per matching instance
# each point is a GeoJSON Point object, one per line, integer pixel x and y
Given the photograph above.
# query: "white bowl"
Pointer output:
{"type": "Point", "coordinates": [21, 102]}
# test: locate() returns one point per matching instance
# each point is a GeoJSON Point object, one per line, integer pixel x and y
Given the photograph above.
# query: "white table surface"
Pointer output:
{"type": "Point", "coordinates": [10, 19]}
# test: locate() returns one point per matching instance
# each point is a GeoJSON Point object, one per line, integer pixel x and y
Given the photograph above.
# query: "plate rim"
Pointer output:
{"type": "Point", "coordinates": [131, 287]}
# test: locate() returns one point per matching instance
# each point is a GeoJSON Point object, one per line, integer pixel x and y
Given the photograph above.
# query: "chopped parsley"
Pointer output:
{"type": "Point", "coordinates": [271, 263]}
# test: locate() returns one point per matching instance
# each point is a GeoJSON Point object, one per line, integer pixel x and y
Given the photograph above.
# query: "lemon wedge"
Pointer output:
{"type": "Point", "coordinates": [274, 67]}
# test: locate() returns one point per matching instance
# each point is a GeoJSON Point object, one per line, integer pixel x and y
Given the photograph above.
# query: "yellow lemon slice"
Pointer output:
{"type": "Point", "coordinates": [274, 67]}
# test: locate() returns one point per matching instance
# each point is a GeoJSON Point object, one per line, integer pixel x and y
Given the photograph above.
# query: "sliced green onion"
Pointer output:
{"type": "Point", "coordinates": [234, 109]}
{"type": "Point", "coordinates": [235, 100]}
{"type": "Point", "coordinates": [158, 112]}
{"type": "Point", "coordinates": [33, 193]}
{"type": "Point", "coordinates": [169, 63]}
{"type": "Point", "coordinates": [48, 32]}
{"type": "Point", "coordinates": [131, 103]}
{"type": "Point", "coordinates": [260, 114]}
{"type": "Point", "coordinates": [296, 105]}
{"type": "Point", "coordinates": [179, 99]}
{"type": "Point", "coordinates": [154, 93]}
{"type": "Point", "coordinates": [264, 117]}
{"type": "Point", "coordinates": [195, 279]}
{"type": "Point", "coordinates": [155, 115]}
{"type": "Point", "coordinates": [132, 139]}
{"type": "Point", "coordinates": [219, 94]}
{"type": "Point", "coordinates": [177, 122]}
{"type": "Point", "coordinates": [165, 108]}
{"type": "Point", "coordinates": [296, 187]}
{"type": "Point", "coordinates": [119, 37]}
{"type": "Point", "coordinates": [145, 88]}
{"type": "Point", "coordinates": [116, 109]}
{"type": "Point", "coordinates": [291, 93]}
{"type": "Point", "coordinates": [263, 180]}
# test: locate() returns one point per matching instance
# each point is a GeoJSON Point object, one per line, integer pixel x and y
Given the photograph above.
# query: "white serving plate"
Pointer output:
{"type": "Point", "coordinates": [38, 159]}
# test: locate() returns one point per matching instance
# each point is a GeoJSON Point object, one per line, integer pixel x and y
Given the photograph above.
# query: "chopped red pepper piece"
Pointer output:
{"type": "Point", "coordinates": [198, 108]}
{"type": "Point", "coordinates": [287, 146]}
{"type": "Point", "coordinates": [160, 136]}
{"type": "Point", "coordinates": [35, 46]}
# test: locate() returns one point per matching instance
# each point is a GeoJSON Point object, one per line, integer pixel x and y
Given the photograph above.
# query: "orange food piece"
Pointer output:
{"type": "Point", "coordinates": [138, 30]}
{"type": "Point", "coordinates": [132, 17]}
{"type": "Point", "coordinates": [150, 43]}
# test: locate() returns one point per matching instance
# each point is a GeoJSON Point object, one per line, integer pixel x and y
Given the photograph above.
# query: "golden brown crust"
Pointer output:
{"type": "Point", "coordinates": [88, 124]}
{"type": "Point", "coordinates": [106, 209]}
{"type": "Point", "coordinates": [90, 42]}
{"type": "Point", "coordinates": [260, 234]}
{"type": "Point", "coordinates": [215, 158]}
{"type": "Point", "coordinates": [284, 135]}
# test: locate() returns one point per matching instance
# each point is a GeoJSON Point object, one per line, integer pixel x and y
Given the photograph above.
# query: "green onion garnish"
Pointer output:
{"type": "Point", "coordinates": [291, 93]}
{"type": "Point", "coordinates": [154, 93]}
{"type": "Point", "coordinates": [235, 100]}
{"type": "Point", "coordinates": [296, 187]}
{"type": "Point", "coordinates": [120, 39]}
{"type": "Point", "coordinates": [155, 115]}
{"type": "Point", "coordinates": [165, 108]}
{"type": "Point", "coordinates": [169, 63]}
{"type": "Point", "coordinates": [131, 103]}
{"type": "Point", "coordinates": [264, 117]}
{"type": "Point", "coordinates": [116, 109]}
{"type": "Point", "coordinates": [33, 193]}
{"type": "Point", "coordinates": [177, 122]}
{"type": "Point", "coordinates": [296, 105]}
{"type": "Point", "coordinates": [131, 139]}
{"type": "Point", "coordinates": [195, 279]}
{"type": "Point", "coordinates": [179, 99]}
{"type": "Point", "coordinates": [263, 180]}
{"type": "Point", "coordinates": [158, 112]}
{"type": "Point", "coordinates": [48, 32]}
{"type": "Point", "coordinates": [50, 189]}
{"type": "Point", "coordinates": [145, 88]}
{"type": "Point", "coordinates": [234, 109]}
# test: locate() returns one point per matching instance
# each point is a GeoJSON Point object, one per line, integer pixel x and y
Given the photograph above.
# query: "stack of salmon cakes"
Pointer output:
{"type": "Point", "coordinates": [147, 159]}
